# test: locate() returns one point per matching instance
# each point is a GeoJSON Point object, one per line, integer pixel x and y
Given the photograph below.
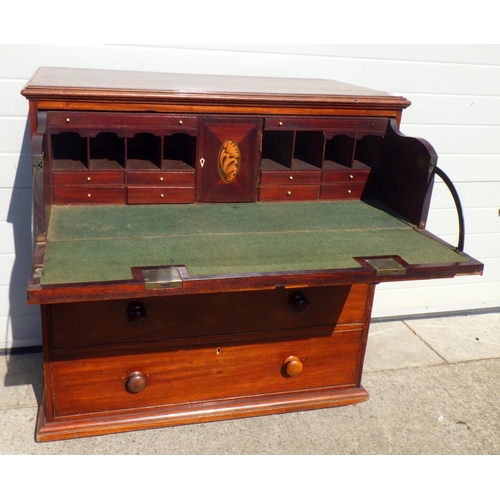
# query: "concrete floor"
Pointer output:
{"type": "Point", "coordinates": [434, 387]}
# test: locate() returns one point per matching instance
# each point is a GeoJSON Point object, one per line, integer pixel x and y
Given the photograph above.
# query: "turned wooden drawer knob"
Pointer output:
{"type": "Point", "coordinates": [293, 366]}
{"type": "Point", "coordinates": [136, 382]}
{"type": "Point", "coordinates": [299, 302]}
{"type": "Point", "coordinates": [136, 311]}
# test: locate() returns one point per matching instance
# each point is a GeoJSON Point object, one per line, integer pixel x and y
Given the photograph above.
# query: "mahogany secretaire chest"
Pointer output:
{"type": "Point", "coordinates": [208, 247]}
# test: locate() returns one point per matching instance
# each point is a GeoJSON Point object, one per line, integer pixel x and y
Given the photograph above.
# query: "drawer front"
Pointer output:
{"type": "Point", "coordinates": [149, 195]}
{"type": "Point", "coordinates": [372, 126]}
{"type": "Point", "coordinates": [342, 191]}
{"type": "Point", "coordinates": [90, 178]}
{"type": "Point", "coordinates": [300, 192]}
{"type": "Point", "coordinates": [160, 178]}
{"type": "Point", "coordinates": [144, 122]}
{"type": "Point", "coordinates": [86, 195]}
{"type": "Point", "coordinates": [212, 372]}
{"type": "Point", "coordinates": [347, 175]}
{"type": "Point", "coordinates": [113, 322]}
{"type": "Point", "coordinates": [290, 177]}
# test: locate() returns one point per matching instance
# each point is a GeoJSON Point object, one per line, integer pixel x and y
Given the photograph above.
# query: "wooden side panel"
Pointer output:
{"type": "Point", "coordinates": [406, 176]}
{"type": "Point", "coordinates": [39, 161]}
{"type": "Point", "coordinates": [228, 160]}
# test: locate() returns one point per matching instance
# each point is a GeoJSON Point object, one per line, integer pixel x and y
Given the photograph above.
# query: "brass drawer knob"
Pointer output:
{"type": "Point", "coordinates": [136, 382]}
{"type": "Point", "coordinates": [293, 366]}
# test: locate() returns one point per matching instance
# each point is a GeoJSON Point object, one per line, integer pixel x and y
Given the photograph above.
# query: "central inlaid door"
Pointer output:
{"type": "Point", "coordinates": [228, 159]}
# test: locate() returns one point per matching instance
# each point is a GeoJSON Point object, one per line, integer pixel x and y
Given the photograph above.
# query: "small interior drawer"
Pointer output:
{"type": "Point", "coordinates": [372, 125]}
{"type": "Point", "coordinates": [87, 177]}
{"type": "Point", "coordinates": [86, 195]}
{"type": "Point", "coordinates": [166, 194]}
{"type": "Point", "coordinates": [345, 175]}
{"type": "Point", "coordinates": [290, 177]}
{"type": "Point", "coordinates": [60, 120]}
{"type": "Point", "coordinates": [342, 191]}
{"type": "Point", "coordinates": [160, 178]}
{"type": "Point", "coordinates": [298, 192]}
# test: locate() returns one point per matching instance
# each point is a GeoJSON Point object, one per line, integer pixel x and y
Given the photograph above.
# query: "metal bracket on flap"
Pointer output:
{"type": "Point", "coordinates": [161, 277]}
{"type": "Point", "coordinates": [386, 266]}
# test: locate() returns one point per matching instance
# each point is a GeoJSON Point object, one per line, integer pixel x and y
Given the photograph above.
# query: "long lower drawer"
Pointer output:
{"type": "Point", "coordinates": [106, 383]}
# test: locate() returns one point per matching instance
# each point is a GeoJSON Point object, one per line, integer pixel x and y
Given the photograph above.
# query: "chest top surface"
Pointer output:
{"type": "Point", "coordinates": [51, 85]}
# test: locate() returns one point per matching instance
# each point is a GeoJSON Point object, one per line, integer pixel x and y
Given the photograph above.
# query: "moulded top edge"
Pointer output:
{"type": "Point", "coordinates": [70, 83]}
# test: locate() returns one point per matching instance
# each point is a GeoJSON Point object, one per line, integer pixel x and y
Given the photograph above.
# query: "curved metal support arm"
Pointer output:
{"type": "Point", "coordinates": [456, 199]}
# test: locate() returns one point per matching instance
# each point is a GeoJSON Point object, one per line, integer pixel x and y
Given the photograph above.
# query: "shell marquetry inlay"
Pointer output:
{"type": "Point", "coordinates": [229, 160]}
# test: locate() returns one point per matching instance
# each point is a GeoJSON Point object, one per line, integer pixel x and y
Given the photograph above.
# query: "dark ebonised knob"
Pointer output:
{"type": "Point", "coordinates": [136, 311]}
{"type": "Point", "coordinates": [135, 382]}
{"type": "Point", "coordinates": [299, 302]}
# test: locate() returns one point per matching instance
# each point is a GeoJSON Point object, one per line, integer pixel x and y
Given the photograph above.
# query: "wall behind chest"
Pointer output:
{"type": "Point", "coordinates": [456, 107]}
